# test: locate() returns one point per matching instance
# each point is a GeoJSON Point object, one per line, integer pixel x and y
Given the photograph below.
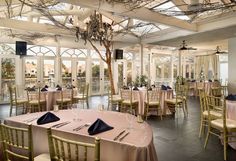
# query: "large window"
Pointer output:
{"type": "Point", "coordinates": [224, 68]}
{"type": "Point", "coordinates": [96, 76]}
{"type": "Point", "coordinates": [81, 72]}
{"type": "Point", "coordinates": [66, 72]}
{"type": "Point", "coordinates": [30, 71]}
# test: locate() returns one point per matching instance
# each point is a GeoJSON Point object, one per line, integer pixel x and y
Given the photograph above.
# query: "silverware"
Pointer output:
{"type": "Point", "coordinates": [56, 125]}
{"type": "Point", "coordinates": [30, 120]}
{"type": "Point", "coordinates": [122, 132]}
{"type": "Point", "coordinates": [124, 136]}
{"type": "Point", "coordinates": [63, 124]}
{"type": "Point", "coordinates": [81, 126]}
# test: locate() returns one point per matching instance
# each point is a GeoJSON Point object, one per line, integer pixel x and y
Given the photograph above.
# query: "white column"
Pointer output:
{"type": "Point", "coordinates": [125, 72]}
{"type": "Point", "coordinates": [172, 68]}
{"type": "Point", "coordinates": [101, 77]}
{"type": "Point", "coordinates": [88, 70]}
{"type": "Point", "coordinates": [20, 75]}
{"type": "Point", "coordinates": [134, 67]}
{"type": "Point", "coordinates": [115, 73]}
{"type": "Point", "coordinates": [141, 59]}
{"type": "Point", "coordinates": [232, 59]}
{"type": "Point", "coordinates": [180, 64]}
{"type": "Point", "coordinates": [40, 68]}
{"type": "Point", "coordinates": [74, 71]}
{"type": "Point", "coordinates": [152, 70]}
{"type": "Point", "coordinates": [184, 66]}
{"type": "Point", "coordinates": [58, 65]}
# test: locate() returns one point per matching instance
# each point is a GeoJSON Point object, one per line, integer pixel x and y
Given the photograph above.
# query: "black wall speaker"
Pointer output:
{"type": "Point", "coordinates": [118, 54]}
{"type": "Point", "coordinates": [21, 47]}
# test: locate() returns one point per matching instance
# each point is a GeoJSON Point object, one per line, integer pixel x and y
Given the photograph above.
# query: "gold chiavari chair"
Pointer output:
{"type": "Point", "coordinates": [36, 100]}
{"type": "Point", "coordinates": [18, 144]}
{"type": "Point", "coordinates": [114, 99]}
{"type": "Point", "coordinates": [62, 149]}
{"type": "Point", "coordinates": [66, 98]}
{"type": "Point", "coordinates": [215, 114]}
{"type": "Point", "coordinates": [15, 101]}
{"type": "Point", "coordinates": [152, 102]}
{"type": "Point", "coordinates": [83, 95]}
{"type": "Point", "coordinates": [180, 99]}
{"type": "Point", "coordinates": [220, 127]}
{"type": "Point", "coordinates": [216, 91]}
{"type": "Point", "coordinates": [128, 100]}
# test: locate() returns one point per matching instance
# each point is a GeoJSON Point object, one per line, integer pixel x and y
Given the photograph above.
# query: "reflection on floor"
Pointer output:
{"type": "Point", "coordinates": [175, 139]}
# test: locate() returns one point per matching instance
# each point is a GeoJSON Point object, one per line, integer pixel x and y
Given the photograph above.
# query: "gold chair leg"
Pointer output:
{"type": "Point", "coordinates": [225, 146]}
{"type": "Point", "coordinates": [200, 130]}
{"type": "Point", "coordinates": [207, 137]}
{"type": "Point", "coordinates": [11, 110]}
{"type": "Point", "coordinates": [160, 112]}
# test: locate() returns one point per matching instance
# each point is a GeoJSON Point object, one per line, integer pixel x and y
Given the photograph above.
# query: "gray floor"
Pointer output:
{"type": "Point", "coordinates": [175, 139]}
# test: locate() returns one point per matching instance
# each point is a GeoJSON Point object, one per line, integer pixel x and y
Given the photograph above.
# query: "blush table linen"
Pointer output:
{"type": "Point", "coordinates": [137, 146]}
{"type": "Point", "coordinates": [231, 114]}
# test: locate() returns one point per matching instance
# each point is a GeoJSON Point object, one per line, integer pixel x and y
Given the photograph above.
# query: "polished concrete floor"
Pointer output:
{"type": "Point", "coordinates": [175, 138]}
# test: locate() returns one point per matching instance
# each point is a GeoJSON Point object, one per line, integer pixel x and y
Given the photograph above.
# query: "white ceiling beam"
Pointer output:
{"type": "Point", "coordinates": [139, 13]}
{"type": "Point", "coordinates": [33, 27]}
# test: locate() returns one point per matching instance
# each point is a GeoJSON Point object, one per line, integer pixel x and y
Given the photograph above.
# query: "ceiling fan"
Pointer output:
{"type": "Point", "coordinates": [184, 46]}
{"type": "Point", "coordinates": [218, 51]}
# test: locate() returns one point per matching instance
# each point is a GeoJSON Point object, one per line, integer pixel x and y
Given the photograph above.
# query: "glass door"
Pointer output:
{"type": "Point", "coordinates": [66, 72]}
{"type": "Point", "coordinates": [106, 82]}
{"type": "Point", "coordinates": [95, 77]}
{"type": "Point", "coordinates": [49, 71]}
{"type": "Point", "coordinates": [30, 72]}
{"type": "Point", "coordinates": [8, 67]}
{"type": "Point", "coordinates": [81, 72]}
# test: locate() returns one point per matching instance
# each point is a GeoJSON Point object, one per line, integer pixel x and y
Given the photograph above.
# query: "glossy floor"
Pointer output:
{"type": "Point", "coordinates": [175, 138]}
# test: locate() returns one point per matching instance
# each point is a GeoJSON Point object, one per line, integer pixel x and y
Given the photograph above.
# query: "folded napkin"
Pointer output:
{"type": "Point", "coordinates": [31, 88]}
{"type": "Point", "coordinates": [135, 88]}
{"type": "Point", "coordinates": [153, 86]}
{"type": "Point", "coordinates": [59, 88]}
{"type": "Point", "coordinates": [47, 118]}
{"type": "Point", "coordinates": [44, 89]}
{"type": "Point", "coordinates": [150, 89]}
{"type": "Point", "coordinates": [46, 86]}
{"type": "Point", "coordinates": [163, 87]}
{"type": "Point", "coordinates": [209, 80]}
{"type": "Point", "coordinates": [231, 97]}
{"type": "Point", "coordinates": [168, 87]}
{"type": "Point", "coordinates": [98, 126]}
{"type": "Point", "coordinates": [193, 80]}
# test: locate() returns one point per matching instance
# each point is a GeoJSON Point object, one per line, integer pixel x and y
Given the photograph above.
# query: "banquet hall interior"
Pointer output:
{"type": "Point", "coordinates": [117, 80]}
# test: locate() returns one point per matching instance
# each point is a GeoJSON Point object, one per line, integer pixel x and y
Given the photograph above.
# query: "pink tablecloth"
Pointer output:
{"type": "Point", "coordinates": [231, 114]}
{"type": "Point", "coordinates": [137, 146]}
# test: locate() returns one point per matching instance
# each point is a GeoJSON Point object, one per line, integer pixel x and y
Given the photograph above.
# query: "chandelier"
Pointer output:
{"type": "Point", "coordinates": [95, 30]}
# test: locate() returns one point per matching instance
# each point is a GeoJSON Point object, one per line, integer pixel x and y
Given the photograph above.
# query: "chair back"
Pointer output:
{"type": "Point", "coordinates": [214, 103]}
{"type": "Point", "coordinates": [202, 98]}
{"type": "Point", "coordinates": [17, 140]}
{"type": "Point", "coordinates": [13, 94]}
{"type": "Point", "coordinates": [153, 96]}
{"type": "Point", "coordinates": [216, 91]}
{"type": "Point", "coordinates": [62, 149]}
{"type": "Point", "coordinates": [127, 95]}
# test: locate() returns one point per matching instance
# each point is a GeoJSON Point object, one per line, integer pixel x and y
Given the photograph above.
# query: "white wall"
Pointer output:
{"type": "Point", "coordinates": [232, 59]}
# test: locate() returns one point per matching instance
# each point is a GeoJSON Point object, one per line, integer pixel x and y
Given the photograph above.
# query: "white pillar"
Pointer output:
{"type": "Point", "coordinates": [58, 65]}
{"type": "Point", "coordinates": [74, 71]}
{"type": "Point", "coordinates": [152, 69]}
{"type": "Point", "coordinates": [172, 68]}
{"type": "Point", "coordinates": [19, 75]}
{"type": "Point", "coordinates": [141, 59]}
{"type": "Point", "coordinates": [125, 72]}
{"type": "Point", "coordinates": [115, 73]}
{"type": "Point", "coordinates": [89, 70]}
{"type": "Point", "coordinates": [232, 59]}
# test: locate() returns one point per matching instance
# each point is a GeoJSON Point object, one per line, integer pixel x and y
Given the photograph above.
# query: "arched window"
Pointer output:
{"type": "Point", "coordinates": [41, 51]}
{"type": "Point", "coordinates": [79, 53]}
{"type": "Point", "coordinates": [6, 49]}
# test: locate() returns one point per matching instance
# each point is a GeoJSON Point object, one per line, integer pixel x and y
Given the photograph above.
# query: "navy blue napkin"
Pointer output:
{"type": "Point", "coordinates": [153, 86]}
{"type": "Point", "coordinates": [193, 80]}
{"type": "Point", "coordinates": [168, 87]}
{"type": "Point", "coordinates": [57, 86]}
{"type": "Point", "coordinates": [31, 88]}
{"type": "Point", "coordinates": [163, 87]}
{"type": "Point", "coordinates": [135, 88]}
{"type": "Point", "coordinates": [47, 118]}
{"type": "Point", "coordinates": [46, 86]}
{"type": "Point", "coordinates": [44, 89]}
{"type": "Point", "coordinates": [98, 126]}
{"type": "Point", "coordinates": [209, 80]}
{"type": "Point", "coordinates": [150, 89]}
{"type": "Point", "coordinates": [231, 97]}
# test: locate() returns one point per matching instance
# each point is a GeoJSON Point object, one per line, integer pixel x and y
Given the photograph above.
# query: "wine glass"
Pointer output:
{"type": "Point", "coordinates": [130, 117]}
{"type": "Point", "coordinates": [75, 111]}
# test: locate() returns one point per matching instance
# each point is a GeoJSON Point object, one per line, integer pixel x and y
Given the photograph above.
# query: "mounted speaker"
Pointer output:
{"type": "Point", "coordinates": [118, 54]}
{"type": "Point", "coordinates": [21, 48]}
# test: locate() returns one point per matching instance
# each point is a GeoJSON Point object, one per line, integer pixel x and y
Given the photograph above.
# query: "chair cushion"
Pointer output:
{"type": "Point", "coordinates": [21, 101]}
{"type": "Point", "coordinates": [128, 102]}
{"type": "Point", "coordinates": [116, 98]}
{"type": "Point", "coordinates": [42, 157]}
{"type": "Point", "coordinates": [152, 103]}
{"type": "Point", "coordinates": [214, 114]}
{"type": "Point", "coordinates": [64, 100]}
{"type": "Point", "coordinates": [173, 101]}
{"type": "Point", "coordinates": [35, 102]}
{"type": "Point", "coordinates": [218, 124]}
{"type": "Point", "coordinates": [80, 96]}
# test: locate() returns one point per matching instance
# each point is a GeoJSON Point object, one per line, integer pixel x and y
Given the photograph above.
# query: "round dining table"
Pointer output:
{"type": "Point", "coordinates": [231, 114]}
{"type": "Point", "coordinates": [137, 146]}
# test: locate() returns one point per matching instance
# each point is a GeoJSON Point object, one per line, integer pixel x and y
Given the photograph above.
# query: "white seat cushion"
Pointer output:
{"type": "Point", "coordinates": [218, 124]}
{"type": "Point", "coordinates": [42, 157]}
{"type": "Point", "coordinates": [214, 114]}
{"type": "Point", "coordinates": [128, 102]}
{"type": "Point", "coordinates": [21, 101]}
{"type": "Point", "coordinates": [34, 102]}
{"type": "Point", "coordinates": [173, 100]}
{"type": "Point", "coordinates": [64, 100]}
{"type": "Point", "coordinates": [152, 103]}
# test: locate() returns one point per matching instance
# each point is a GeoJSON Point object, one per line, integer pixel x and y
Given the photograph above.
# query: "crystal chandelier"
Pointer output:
{"type": "Point", "coordinates": [96, 30]}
